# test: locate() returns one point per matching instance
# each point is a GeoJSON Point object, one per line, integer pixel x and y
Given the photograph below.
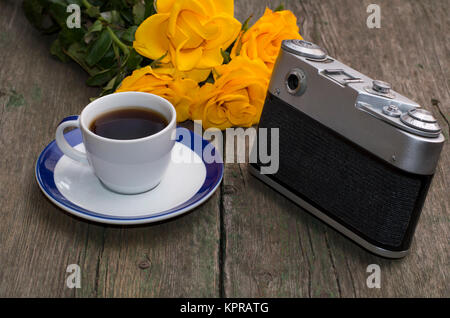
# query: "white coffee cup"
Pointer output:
{"type": "Point", "coordinates": [124, 166]}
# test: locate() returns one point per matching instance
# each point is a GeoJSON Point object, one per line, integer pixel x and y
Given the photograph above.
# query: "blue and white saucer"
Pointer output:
{"type": "Point", "coordinates": [73, 187]}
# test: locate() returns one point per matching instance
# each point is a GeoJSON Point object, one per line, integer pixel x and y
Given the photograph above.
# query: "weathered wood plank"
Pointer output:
{"type": "Point", "coordinates": [38, 240]}
{"type": "Point", "coordinates": [272, 247]}
{"type": "Point", "coordinates": [172, 259]}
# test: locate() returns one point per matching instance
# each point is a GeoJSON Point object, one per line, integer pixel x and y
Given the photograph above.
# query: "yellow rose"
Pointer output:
{"type": "Point", "coordinates": [198, 75]}
{"type": "Point", "coordinates": [237, 96]}
{"type": "Point", "coordinates": [182, 93]}
{"type": "Point", "coordinates": [191, 32]}
{"type": "Point", "coordinates": [263, 39]}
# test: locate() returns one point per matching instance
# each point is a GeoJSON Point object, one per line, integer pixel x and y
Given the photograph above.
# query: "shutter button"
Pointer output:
{"type": "Point", "coordinates": [421, 119]}
{"type": "Point", "coordinates": [381, 87]}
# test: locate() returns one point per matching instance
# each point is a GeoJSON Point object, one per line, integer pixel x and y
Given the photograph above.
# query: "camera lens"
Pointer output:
{"type": "Point", "coordinates": [293, 82]}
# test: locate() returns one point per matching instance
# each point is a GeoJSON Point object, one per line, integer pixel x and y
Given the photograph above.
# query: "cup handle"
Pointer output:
{"type": "Point", "coordinates": [71, 121]}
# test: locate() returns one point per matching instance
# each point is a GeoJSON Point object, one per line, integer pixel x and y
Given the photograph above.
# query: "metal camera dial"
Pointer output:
{"type": "Point", "coordinates": [296, 82]}
{"type": "Point", "coordinates": [305, 49]}
{"type": "Point", "coordinates": [422, 120]}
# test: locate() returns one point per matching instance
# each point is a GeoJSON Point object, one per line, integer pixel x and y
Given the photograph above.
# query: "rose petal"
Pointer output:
{"type": "Point", "coordinates": [150, 37]}
{"type": "Point", "coordinates": [164, 6]}
{"type": "Point", "coordinates": [186, 60]}
{"type": "Point", "coordinates": [228, 30]}
{"type": "Point", "coordinates": [210, 58]}
{"type": "Point", "coordinates": [199, 24]}
{"type": "Point", "coordinates": [226, 6]}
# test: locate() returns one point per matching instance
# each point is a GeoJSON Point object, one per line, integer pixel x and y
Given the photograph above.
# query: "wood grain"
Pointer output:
{"type": "Point", "coordinates": [247, 240]}
{"type": "Point", "coordinates": [38, 240]}
{"type": "Point", "coordinates": [272, 247]}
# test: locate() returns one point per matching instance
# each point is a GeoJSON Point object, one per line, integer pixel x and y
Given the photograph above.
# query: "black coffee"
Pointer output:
{"type": "Point", "coordinates": [128, 123]}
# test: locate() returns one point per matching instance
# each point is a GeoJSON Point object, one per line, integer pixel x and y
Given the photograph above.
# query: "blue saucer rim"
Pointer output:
{"type": "Point", "coordinates": [51, 154]}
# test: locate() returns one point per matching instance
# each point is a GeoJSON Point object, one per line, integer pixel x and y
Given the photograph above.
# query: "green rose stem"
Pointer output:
{"type": "Point", "coordinates": [114, 37]}
{"type": "Point", "coordinates": [87, 4]}
{"type": "Point", "coordinates": [119, 43]}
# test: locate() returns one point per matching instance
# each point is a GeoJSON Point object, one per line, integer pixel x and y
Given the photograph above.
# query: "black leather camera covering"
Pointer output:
{"type": "Point", "coordinates": [367, 195]}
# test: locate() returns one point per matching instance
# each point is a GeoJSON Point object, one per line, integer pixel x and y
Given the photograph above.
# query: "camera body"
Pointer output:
{"type": "Point", "coordinates": [352, 152]}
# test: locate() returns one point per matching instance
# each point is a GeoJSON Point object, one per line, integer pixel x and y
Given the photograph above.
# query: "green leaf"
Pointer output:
{"type": "Point", "coordinates": [58, 11]}
{"type": "Point", "coordinates": [134, 61]}
{"type": "Point", "coordinates": [110, 84]}
{"type": "Point", "coordinates": [93, 11]}
{"type": "Point", "coordinates": [149, 8]}
{"type": "Point", "coordinates": [36, 12]}
{"type": "Point", "coordinates": [99, 48]}
{"type": "Point", "coordinates": [209, 79]}
{"type": "Point", "coordinates": [103, 46]}
{"type": "Point", "coordinates": [116, 51]}
{"type": "Point", "coordinates": [108, 60]}
{"type": "Point", "coordinates": [215, 74]}
{"type": "Point", "coordinates": [60, 2]}
{"type": "Point", "coordinates": [226, 56]}
{"type": "Point", "coordinates": [279, 8]}
{"type": "Point", "coordinates": [95, 27]}
{"type": "Point", "coordinates": [113, 17]}
{"type": "Point", "coordinates": [245, 26]}
{"type": "Point", "coordinates": [78, 2]}
{"type": "Point", "coordinates": [139, 12]}
{"type": "Point", "coordinates": [77, 52]}
{"type": "Point", "coordinates": [127, 16]}
{"type": "Point", "coordinates": [128, 35]}
{"type": "Point", "coordinates": [106, 16]}
{"type": "Point", "coordinates": [57, 50]}
{"type": "Point", "coordinates": [113, 84]}
{"type": "Point", "coordinates": [238, 42]}
{"type": "Point", "coordinates": [125, 48]}
{"type": "Point", "coordinates": [110, 87]}
{"type": "Point", "coordinates": [122, 74]}
{"type": "Point", "coordinates": [157, 62]}
{"type": "Point", "coordinates": [101, 78]}
{"type": "Point", "coordinates": [68, 36]}
{"type": "Point", "coordinates": [116, 18]}
{"type": "Point", "coordinates": [33, 11]}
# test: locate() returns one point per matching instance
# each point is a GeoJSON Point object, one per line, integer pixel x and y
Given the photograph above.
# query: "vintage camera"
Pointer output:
{"type": "Point", "coordinates": [352, 152]}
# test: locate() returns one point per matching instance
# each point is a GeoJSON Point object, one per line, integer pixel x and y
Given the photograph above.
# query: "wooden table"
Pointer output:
{"type": "Point", "coordinates": [247, 240]}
